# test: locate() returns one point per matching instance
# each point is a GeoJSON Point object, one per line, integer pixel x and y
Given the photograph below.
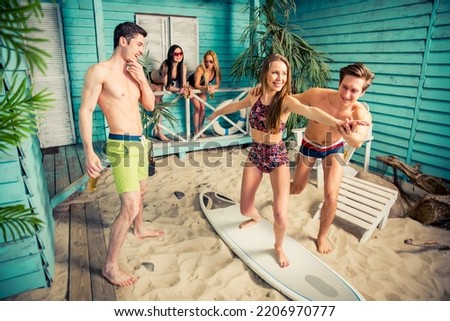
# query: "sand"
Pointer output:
{"type": "Point", "coordinates": [192, 263]}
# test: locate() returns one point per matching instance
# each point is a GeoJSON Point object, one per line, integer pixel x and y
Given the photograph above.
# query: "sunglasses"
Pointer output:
{"type": "Point", "coordinates": [177, 54]}
{"type": "Point", "coordinates": [209, 61]}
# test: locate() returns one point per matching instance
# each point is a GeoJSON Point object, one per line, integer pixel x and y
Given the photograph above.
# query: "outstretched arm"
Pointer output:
{"type": "Point", "coordinates": [231, 108]}
{"type": "Point", "coordinates": [319, 115]}
{"type": "Point", "coordinates": [356, 135]}
{"type": "Point", "coordinates": [309, 112]}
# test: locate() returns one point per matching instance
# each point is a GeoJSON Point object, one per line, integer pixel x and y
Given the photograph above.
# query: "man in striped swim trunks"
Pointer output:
{"type": "Point", "coordinates": [327, 142]}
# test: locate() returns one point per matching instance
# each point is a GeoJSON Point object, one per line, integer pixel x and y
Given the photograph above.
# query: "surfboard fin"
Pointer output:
{"type": "Point", "coordinates": [213, 200]}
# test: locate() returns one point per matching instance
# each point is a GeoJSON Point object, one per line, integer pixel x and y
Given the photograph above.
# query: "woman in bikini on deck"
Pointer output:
{"type": "Point", "coordinates": [171, 75]}
{"type": "Point", "coordinates": [207, 77]}
{"type": "Point", "coordinates": [268, 153]}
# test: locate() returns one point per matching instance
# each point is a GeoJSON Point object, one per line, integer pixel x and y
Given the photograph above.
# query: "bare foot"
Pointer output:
{"type": "Point", "coordinates": [201, 135]}
{"type": "Point", "coordinates": [163, 138]}
{"type": "Point", "coordinates": [282, 258]}
{"type": "Point", "coordinates": [160, 135]}
{"type": "Point", "coordinates": [248, 223]}
{"type": "Point", "coordinates": [118, 278]}
{"type": "Point", "coordinates": [148, 233]}
{"type": "Point", "coordinates": [323, 247]}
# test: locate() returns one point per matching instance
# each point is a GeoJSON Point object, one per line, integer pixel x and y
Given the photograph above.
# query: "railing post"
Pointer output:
{"type": "Point", "coordinates": [187, 105]}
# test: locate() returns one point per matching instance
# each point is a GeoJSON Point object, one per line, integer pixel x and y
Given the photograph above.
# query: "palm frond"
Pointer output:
{"type": "Point", "coordinates": [19, 107]}
{"type": "Point", "coordinates": [18, 222]}
{"type": "Point", "coordinates": [14, 39]}
{"type": "Point", "coordinates": [161, 111]}
{"type": "Point", "coordinates": [272, 32]}
{"type": "Point", "coordinates": [18, 110]}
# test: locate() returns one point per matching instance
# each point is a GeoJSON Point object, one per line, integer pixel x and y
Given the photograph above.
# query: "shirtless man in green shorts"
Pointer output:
{"type": "Point", "coordinates": [117, 85]}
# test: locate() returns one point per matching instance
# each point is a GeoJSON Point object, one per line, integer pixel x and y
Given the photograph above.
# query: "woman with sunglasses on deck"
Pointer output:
{"type": "Point", "coordinates": [171, 75]}
{"type": "Point", "coordinates": [207, 78]}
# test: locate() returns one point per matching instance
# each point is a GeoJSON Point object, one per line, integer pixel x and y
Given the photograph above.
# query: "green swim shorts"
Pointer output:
{"type": "Point", "coordinates": [129, 162]}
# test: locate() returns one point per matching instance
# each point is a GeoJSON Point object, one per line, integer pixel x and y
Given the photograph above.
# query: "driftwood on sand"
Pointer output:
{"type": "Point", "coordinates": [432, 208]}
{"type": "Point", "coordinates": [429, 244]}
{"type": "Point", "coordinates": [429, 183]}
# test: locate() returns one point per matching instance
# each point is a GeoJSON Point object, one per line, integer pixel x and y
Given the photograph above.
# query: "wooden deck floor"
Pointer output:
{"type": "Point", "coordinates": [87, 249]}
{"type": "Point", "coordinates": [64, 169]}
{"type": "Point", "coordinates": [84, 240]}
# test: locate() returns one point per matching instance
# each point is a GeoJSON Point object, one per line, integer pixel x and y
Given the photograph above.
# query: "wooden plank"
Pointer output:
{"type": "Point", "coordinates": [388, 192]}
{"type": "Point", "coordinates": [73, 173]}
{"type": "Point", "coordinates": [360, 196]}
{"type": "Point", "coordinates": [81, 156]}
{"type": "Point", "coordinates": [10, 171]}
{"type": "Point", "coordinates": [49, 168]}
{"type": "Point", "coordinates": [23, 283]}
{"type": "Point", "coordinates": [15, 249]}
{"type": "Point", "coordinates": [21, 266]}
{"type": "Point", "coordinates": [354, 220]}
{"type": "Point", "coordinates": [357, 205]}
{"type": "Point", "coordinates": [73, 163]}
{"type": "Point", "coordinates": [102, 290]}
{"type": "Point", "coordinates": [13, 192]}
{"type": "Point", "coordinates": [61, 171]}
{"type": "Point", "coordinates": [78, 185]}
{"type": "Point", "coordinates": [79, 275]}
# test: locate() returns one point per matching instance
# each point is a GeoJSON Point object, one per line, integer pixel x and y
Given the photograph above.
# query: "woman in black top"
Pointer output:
{"type": "Point", "coordinates": [173, 81]}
{"type": "Point", "coordinates": [207, 78]}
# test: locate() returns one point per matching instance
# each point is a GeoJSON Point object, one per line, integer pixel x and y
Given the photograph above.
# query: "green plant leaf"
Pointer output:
{"type": "Point", "coordinates": [272, 32]}
{"type": "Point", "coordinates": [19, 107]}
{"type": "Point", "coordinates": [19, 221]}
{"type": "Point", "coordinates": [18, 110]}
{"type": "Point", "coordinates": [14, 15]}
{"type": "Point", "coordinates": [161, 111]}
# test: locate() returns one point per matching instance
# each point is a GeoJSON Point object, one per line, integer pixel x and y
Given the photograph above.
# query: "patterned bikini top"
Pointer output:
{"type": "Point", "coordinates": [258, 117]}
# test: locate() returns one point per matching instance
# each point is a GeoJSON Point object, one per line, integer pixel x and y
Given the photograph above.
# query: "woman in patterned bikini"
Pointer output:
{"type": "Point", "coordinates": [268, 154]}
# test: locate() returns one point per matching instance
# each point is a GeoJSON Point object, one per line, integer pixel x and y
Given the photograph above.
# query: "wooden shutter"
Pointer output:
{"type": "Point", "coordinates": [156, 41]}
{"type": "Point", "coordinates": [164, 31]}
{"type": "Point", "coordinates": [183, 32]}
{"type": "Point", "coordinates": [55, 125]}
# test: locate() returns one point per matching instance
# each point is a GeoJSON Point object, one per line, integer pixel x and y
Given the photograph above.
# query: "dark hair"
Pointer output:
{"type": "Point", "coordinates": [275, 109]}
{"type": "Point", "coordinates": [128, 30]}
{"type": "Point", "coordinates": [169, 64]}
{"type": "Point", "coordinates": [358, 70]}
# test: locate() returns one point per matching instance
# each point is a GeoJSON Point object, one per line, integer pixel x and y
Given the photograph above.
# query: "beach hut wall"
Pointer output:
{"type": "Point", "coordinates": [26, 263]}
{"type": "Point", "coordinates": [406, 44]}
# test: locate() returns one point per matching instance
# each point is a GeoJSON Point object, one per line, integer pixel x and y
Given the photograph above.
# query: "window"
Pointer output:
{"type": "Point", "coordinates": [55, 125]}
{"type": "Point", "coordinates": [165, 31]}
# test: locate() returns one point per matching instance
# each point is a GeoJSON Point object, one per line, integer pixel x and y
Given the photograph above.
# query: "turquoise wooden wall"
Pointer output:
{"type": "Point", "coordinates": [220, 25]}
{"type": "Point", "coordinates": [27, 263]}
{"type": "Point", "coordinates": [407, 44]}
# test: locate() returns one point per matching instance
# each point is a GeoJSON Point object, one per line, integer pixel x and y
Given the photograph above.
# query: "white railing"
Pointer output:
{"type": "Point", "coordinates": [188, 137]}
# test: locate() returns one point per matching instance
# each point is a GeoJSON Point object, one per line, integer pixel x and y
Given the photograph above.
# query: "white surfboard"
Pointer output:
{"type": "Point", "coordinates": [306, 278]}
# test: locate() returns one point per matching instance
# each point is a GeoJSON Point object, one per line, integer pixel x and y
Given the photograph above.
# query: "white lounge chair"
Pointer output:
{"type": "Point", "coordinates": [364, 204]}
